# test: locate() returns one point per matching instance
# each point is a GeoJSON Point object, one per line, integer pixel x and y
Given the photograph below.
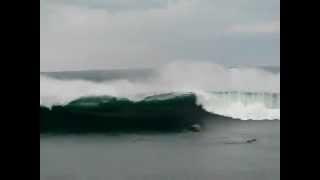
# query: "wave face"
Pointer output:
{"type": "Point", "coordinates": [239, 93]}
{"type": "Point", "coordinates": [105, 113]}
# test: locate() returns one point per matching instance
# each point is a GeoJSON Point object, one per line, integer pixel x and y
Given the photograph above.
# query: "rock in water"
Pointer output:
{"type": "Point", "coordinates": [195, 128]}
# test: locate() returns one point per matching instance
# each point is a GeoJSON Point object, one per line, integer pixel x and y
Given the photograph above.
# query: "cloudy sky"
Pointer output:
{"type": "Point", "coordinates": [106, 34]}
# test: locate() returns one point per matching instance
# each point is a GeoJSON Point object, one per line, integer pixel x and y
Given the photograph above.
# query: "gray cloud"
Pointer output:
{"type": "Point", "coordinates": [112, 5]}
{"type": "Point", "coordinates": [96, 34]}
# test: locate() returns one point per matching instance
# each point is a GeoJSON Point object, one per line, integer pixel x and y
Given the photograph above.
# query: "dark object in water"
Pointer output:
{"type": "Point", "coordinates": [240, 141]}
{"type": "Point", "coordinates": [195, 128]}
{"type": "Point", "coordinates": [251, 140]}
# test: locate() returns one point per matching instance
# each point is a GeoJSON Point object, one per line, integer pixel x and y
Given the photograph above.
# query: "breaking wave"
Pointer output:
{"type": "Point", "coordinates": [240, 93]}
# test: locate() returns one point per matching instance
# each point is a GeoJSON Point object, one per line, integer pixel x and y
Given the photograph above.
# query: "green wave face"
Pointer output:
{"type": "Point", "coordinates": [164, 112]}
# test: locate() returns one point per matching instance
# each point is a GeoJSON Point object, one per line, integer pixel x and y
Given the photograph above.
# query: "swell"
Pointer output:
{"type": "Point", "coordinates": [103, 114]}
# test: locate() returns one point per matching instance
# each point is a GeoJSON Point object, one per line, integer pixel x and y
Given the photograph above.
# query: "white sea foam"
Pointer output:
{"type": "Point", "coordinates": [242, 105]}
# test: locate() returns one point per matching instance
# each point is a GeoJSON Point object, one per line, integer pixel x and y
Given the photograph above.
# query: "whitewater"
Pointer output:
{"type": "Point", "coordinates": [244, 93]}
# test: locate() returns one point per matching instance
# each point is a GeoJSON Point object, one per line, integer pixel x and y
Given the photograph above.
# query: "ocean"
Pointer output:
{"type": "Point", "coordinates": [140, 124]}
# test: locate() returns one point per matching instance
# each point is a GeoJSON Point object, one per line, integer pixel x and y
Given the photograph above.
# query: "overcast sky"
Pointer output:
{"type": "Point", "coordinates": [106, 34]}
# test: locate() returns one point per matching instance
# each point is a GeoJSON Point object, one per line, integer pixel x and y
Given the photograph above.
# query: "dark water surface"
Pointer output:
{"type": "Point", "coordinates": [220, 152]}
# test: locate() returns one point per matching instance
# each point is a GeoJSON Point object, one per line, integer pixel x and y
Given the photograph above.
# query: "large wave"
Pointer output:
{"type": "Point", "coordinates": [242, 93]}
{"type": "Point", "coordinates": [173, 111]}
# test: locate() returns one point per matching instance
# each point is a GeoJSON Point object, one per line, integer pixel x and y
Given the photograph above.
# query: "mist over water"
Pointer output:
{"type": "Point", "coordinates": [244, 93]}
